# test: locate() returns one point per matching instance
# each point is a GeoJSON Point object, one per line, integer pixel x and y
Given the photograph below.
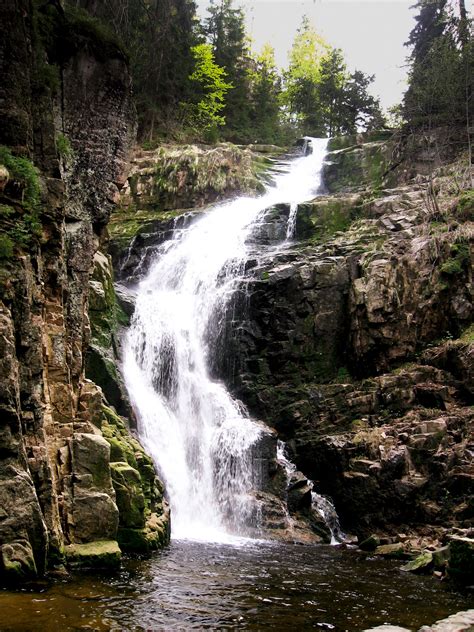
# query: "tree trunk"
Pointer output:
{"type": "Point", "coordinates": [463, 24]}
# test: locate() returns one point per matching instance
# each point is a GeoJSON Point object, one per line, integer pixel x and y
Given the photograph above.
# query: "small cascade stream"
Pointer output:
{"type": "Point", "coordinates": [319, 504]}
{"type": "Point", "coordinates": [200, 437]}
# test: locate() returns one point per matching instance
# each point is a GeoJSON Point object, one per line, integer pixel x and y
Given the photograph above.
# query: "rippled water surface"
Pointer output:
{"type": "Point", "coordinates": [257, 586]}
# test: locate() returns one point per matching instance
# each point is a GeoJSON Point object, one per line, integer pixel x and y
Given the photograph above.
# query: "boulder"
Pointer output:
{"type": "Point", "coordinates": [461, 561]}
{"type": "Point", "coordinates": [370, 543]}
{"type": "Point", "coordinates": [129, 495]}
{"type": "Point", "coordinates": [459, 622]}
{"type": "Point", "coordinates": [392, 551]}
{"type": "Point", "coordinates": [422, 564]}
{"type": "Point", "coordinates": [104, 554]}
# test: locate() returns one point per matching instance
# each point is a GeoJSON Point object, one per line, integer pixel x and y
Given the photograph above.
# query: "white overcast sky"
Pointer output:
{"type": "Point", "coordinates": [370, 32]}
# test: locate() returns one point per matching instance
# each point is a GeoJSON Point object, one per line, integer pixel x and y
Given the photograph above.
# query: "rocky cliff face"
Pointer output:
{"type": "Point", "coordinates": [71, 476]}
{"type": "Point", "coordinates": [356, 344]}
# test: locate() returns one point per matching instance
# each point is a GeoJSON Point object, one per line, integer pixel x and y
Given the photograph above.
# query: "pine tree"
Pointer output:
{"type": "Point", "coordinates": [301, 97]}
{"type": "Point", "coordinates": [225, 30]}
{"type": "Point", "coordinates": [265, 94]}
{"type": "Point", "coordinates": [436, 92]}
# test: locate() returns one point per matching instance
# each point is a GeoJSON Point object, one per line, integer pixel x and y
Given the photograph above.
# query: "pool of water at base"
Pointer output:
{"type": "Point", "coordinates": [249, 586]}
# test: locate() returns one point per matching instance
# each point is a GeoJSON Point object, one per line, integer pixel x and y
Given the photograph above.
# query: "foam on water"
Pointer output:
{"type": "Point", "coordinates": [199, 436]}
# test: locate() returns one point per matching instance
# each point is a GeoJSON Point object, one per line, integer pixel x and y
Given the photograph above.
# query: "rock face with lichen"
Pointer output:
{"type": "Point", "coordinates": [70, 472]}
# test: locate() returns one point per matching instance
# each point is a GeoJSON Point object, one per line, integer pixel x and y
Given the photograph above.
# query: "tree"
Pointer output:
{"type": "Point", "coordinates": [225, 30]}
{"type": "Point", "coordinates": [159, 35]}
{"type": "Point", "coordinates": [437, 84]}
{"type": "Point", "coordinates": [210, 88]}
{"type": "Point", "coordinates": [331, 89]}
{"type": "Point", "coordinates": [265, 94]}
{"type": "Point", "coordinates": [361, 110]}
{"type": "Point", "coordinates": [302, 78]}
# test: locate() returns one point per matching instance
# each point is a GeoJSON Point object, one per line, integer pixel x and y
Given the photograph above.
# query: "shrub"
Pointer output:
{"type": "Point", "coordinates": [64, 146]}
{"type": "Point", "coordinates": [25, 174]}
{"type": "Point", "coordinates": [6, 247]}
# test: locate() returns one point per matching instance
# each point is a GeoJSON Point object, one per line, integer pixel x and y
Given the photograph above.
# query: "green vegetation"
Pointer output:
{"type": "Point", "coordinates": [24, 176]}
{"type": "Point", "coordinates": [465, 206]}
{"type": "Point", "coordinates": [64, 147]}
{"type": "Point", "coordinates": [441, 80]}
{"type": "Point", "coordinates": [321, 95]}
{"type": "Point", "coordinates": [202, 81]}
{"type": "Point", "coordinates": [468, 335]}
{"type": "Point", "coordinates": [460, 258]}
{"type": "Point", "coordinates": [19, 221]}
{"type": "Point", "coordinates": [205, 114]}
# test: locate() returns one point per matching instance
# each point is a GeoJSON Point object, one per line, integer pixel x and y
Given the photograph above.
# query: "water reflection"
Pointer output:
{"type": "Point", "coordinates": [257, 586]}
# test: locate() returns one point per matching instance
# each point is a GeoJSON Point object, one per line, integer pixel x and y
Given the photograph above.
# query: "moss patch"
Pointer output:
{"type": "Point", "coordinates": [20, 225]}
{"type": "Point", "coordinates": [104, 554]}
{"type": "Point", "coordinates": [143, 515]}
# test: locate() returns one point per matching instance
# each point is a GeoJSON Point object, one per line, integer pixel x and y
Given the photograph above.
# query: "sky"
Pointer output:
{"type": "Point", "coordinates": [370, 32]}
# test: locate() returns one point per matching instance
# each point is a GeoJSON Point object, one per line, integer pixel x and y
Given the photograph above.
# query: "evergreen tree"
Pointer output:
{"type": "Point", "coordinates": [265, 94]}
{"type": "Point", "coordinates": [301, 97]}
{"type": "Point", "coordinates": [361, 110]}
{"type": "Point", "coordinates": [225, 30]}
{"type": "Point", "coordinates": [437, 81]}
{"type": "Point", "coordinates": [321, 97]}
{"type": "Point", "coordinates": [331, 91]}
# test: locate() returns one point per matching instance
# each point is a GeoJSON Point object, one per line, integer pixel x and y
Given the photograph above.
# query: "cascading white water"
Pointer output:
{"type": "Point", "coordinates": [320, 504]}
{"type": "Point", "coordinates": [200, 437]}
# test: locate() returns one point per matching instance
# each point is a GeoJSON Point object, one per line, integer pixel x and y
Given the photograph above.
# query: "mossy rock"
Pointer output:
{"type": "Point", "coordinates": [321, 219]}
{"type": "Point", "coordinates": [143, 515]}
{"type": "Point", "coordinates": [102, 554]}
{"type": "Point", "coordinates": [392, 551]}
{"type": "Point", "coordinates": [128, 495]}
{"type": "Point", "coordinates": [421, 564]}
{"type": "Point", "coordinates": [154, 536]}
{"type": "Point", "coordinates": [17, 562]}
{"type": "Point", "coordinates": [357, 167]}
{"type": "Point", "coordinates": [344, 142]}
{"type": "Point", "coordinates": [461, 563]}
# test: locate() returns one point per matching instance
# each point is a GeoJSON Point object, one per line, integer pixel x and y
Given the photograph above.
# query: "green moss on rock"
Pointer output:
{"type": "Point", "coordinates": [104, 554]}
{"type": "Point", "coordinates": [143, 513]}
{"type": "Point", "coordinates": [461, 563]}
{"type": "Point", "coordinates": [321, 219]}
{"type": "Point", "coordinates": [358, 167]}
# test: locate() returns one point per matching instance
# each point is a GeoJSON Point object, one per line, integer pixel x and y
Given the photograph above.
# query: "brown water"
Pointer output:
{"type": "Point", "coordinates": [260, 586]}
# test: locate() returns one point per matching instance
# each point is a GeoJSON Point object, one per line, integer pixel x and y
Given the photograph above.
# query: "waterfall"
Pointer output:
{"type": "Point", "coordinates": [199, 436]}
{"type": "Point", "coordinates": [319, 504]}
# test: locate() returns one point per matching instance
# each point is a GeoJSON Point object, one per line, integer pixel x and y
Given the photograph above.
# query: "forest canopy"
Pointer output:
{"type": "Point", "coordinates": [201, 80]}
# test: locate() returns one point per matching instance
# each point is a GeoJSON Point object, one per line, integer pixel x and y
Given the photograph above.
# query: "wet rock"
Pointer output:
{"type": "Point", "coordinates": [144, 517]}
{"type": "Point", "coordinates": [459, 622]}
{"type": "Point", "coordinates": [392, 551]}
{"type": "Point", "coordinates": [461, 560]}
{"type": "Point", "coordinates": [441, 558]}
{"type": "Point", "coordinates": [17, 562]}
{"type": "Point", "coordinates": [101, 554]}
{"type": "Point", "coordinates": [422, 564]}
{"type": "Point", "coordinates": [370, 543]}
{"type": "Point", "coordinates": [129, 495]}
{"type": "Point", "coordinates": [387, 628]}
{"type": "Point", "coordinates": [299, 492]}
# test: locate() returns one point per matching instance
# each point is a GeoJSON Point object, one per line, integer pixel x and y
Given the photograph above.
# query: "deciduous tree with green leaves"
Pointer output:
{"type": "Point", "coordinates": [204, 113]}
